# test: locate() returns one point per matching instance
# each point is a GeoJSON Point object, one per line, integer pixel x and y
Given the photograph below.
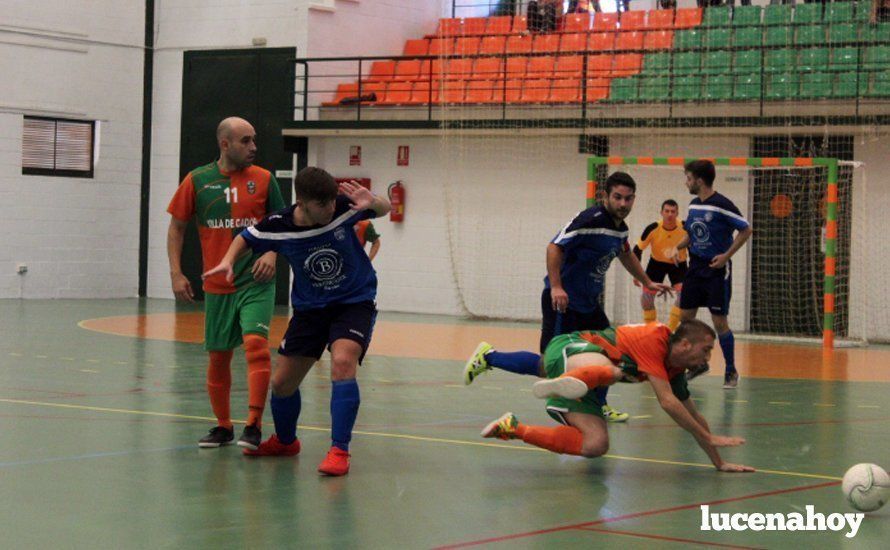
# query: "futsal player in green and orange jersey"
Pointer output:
{"type": "Point", "coordinates": [224, 197]}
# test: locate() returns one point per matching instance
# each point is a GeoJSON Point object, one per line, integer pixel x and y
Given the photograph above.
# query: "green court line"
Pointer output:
{"type": "Point", "coordinates": [406, 437]}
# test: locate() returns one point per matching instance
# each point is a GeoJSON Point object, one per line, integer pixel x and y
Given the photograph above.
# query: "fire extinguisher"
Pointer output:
{"type": "Point", "coordinates": [396, 193]}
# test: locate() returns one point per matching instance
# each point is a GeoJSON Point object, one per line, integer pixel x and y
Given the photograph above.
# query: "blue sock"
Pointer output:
{"type": "Point", "coordinates": [600, 393]}
{"type": "Point", "coordinates": [727, 344]}
{"type": "Point", "coordinates": [285, 411]}
{"type": "Point", "coordinates": [520, 362]}
{"type": "Point", "coordinates": [345, 400]}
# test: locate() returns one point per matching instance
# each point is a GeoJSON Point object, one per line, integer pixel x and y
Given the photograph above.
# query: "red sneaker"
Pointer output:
{"type": "Point", "coordinates": [336, 463]}
{"type": "Point", "coordinates": [273, 447]}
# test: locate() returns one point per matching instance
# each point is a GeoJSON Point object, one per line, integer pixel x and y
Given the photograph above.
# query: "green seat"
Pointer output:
{"type": "Point", "coordinates": [687, 88]}
{"type": "Point", "coordinates": [746, 16]}
{"type": "Point", "coordinates": [782, 86]}
{"type": "Point", "coordinates": [813, 59]}
{"type": "Point", "coordinates": [747, 61]}
{"type": "Point", "coordinates": [717, 62]}
{"type": "Point", "coordinates": [716, 17]}
{"type": "Point", "coordinates": [810, 35]}
{"type": "Point", "coordinates": [845, 84]}
{"type": "Point", "coordinates": [780, 61]}
{"type": "Point", "coordinates": [687, 63]}
{"type": "Point", "coordinates": [657, 63]}
{"type": "Point", "coordinates": [778, 36]}
{"type": "Point", "coordinates": [842, 33]}
{"type": "Point", "coordinates": [777, 14]}
{"type": "Point", "coordinates": [808, 13]}
{"type": "Point", "coordinates": [625, 89]}
{"type": "Point", "coordinates": [718, 87]}
{"type": "Point", "coordinates": [880, 85]}
{"type": "Point", "coordinates": [863, 10]}
{"type": "Point", "coordinates": [688, 39]}
{"type": "Point", "coordinates": [747, 37]}
{"type": "Point", "coordinates": [844, 59]}
{"type": "Point", "coordinates": [747, 86]}
{"type": "Point", "coordinates": [839, 12]}
{"type": "Point", "coordinates": [815, 85]}
{"type": "Point", "coordinates": [717, 38]}
{"type": "Point", "coordinates": [655, 88]}
{"type": "Point", "coordinates": [877, 57]}
{"type": "Point", "coordinates": [876, 33]}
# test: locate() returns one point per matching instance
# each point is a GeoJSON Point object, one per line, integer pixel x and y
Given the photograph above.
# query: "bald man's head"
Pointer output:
{"type": "Point", "coordinates": [237, 143]}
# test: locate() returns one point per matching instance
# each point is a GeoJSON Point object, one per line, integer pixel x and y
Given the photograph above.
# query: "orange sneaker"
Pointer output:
{"type": "Point", "coordinates": [273, 447]}
{"type": "Point", "coordinates": [336, 463]}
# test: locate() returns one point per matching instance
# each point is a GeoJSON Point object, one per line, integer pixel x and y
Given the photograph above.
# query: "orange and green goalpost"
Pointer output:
{"type": "Point", "coordinates": [831, 201]}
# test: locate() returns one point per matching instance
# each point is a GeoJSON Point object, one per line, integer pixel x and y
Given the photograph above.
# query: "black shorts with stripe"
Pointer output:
{"type": "Point", "coordinates": [657, 271]}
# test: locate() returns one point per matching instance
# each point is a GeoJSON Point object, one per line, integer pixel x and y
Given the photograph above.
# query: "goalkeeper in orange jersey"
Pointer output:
{"type": "Point", "coordinates": [574, 364]}
{"type": "Point", "coordinates": [661, 237]}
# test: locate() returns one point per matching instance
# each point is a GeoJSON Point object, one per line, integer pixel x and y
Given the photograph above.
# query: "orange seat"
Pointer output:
{"type": "Point", "coordinates": [458, 68]}
{"type": "Point", "coordinates": [658, 40]}
{"type": "Point", "coordinates": [343, 91]}
{"type": "Point", "coordinates": [569, 66]}
{"type": "Point", "coordinates": [474, 26]}
{"type": "Point", "coordinates": [449, 27]}
{"type": "Point", "coordinates": [407, 69]}
{"type": "Point", "coordinates": [480, 91]}
{"type": "Point", "coordinates": [573, 42]}
{"type": "Point", "coordinates": [519, 43]}
{"type": "Point", "coordinates": [605, 22]}
{"type": "Point", "coordinates": [420, 93]}
{"type": "Point", "coordinates": [688, 17]}
{"type": "Point", "coordinates": [599, 66]}
{"type": "Point", "coordinates": [452, 91]}
{"type": "Point", "coordinates": [546, 43]}
{"type": "Point", "coordinates": [577, 22]}
{"type": "Point", "coordinates": [382, 70]}
{"type": "Point", "coordinates": [632, 40]}
{"type": "Point", "coordinates": [441, 46]}
{"type": "Point", "coordinates": [660, 20]}
{"type": "Point", "coordinates": [417, 47]}
{"type": "Point", "coordinates": [493, 45]}
{"type": "Point", "coordinates": [516, 67]}
{"type": "Point", "coordinates": [397, 93]}
{"type": "Point", "coordinates": [540, 67]}
{"type": "Point", "coordinates": [512, 91]}
{"type": "Point", "coordinates": [467, 46]}
{"type": "Point", "coordinates": [368, 88]}
{"type": "Point", "coordinates": [438, 69]}
{"type": "Point", "coordinates": [565, 90]}
{"type": "Point", "coordinates": [602, 41]}
{"type": "Point", "coordinates": [627, 64]}
{"type": "Point", "coordinates": [487, 68]}
{"type": "Point", "coordinates": [500, 24]}
{"type": "Point", "coordinates": [597, 89]}
{"type": "Point", "coordinates": [535, 91]}
{"type": "Point", "coordinates": [520, 24]}
{"type": "Point", "coordinates": [633, 20]}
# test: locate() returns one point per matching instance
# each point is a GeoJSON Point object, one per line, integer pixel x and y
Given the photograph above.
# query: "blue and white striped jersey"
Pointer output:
{"type": "Point", "coordinates": [711, 225]}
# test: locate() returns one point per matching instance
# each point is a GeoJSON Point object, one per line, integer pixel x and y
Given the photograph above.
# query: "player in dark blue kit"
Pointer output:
{"type": "Point", "coordinates": [577, 261]}
{"type": "Point", "coordinates": [710, 223]}
{"type": "Point", "coordinates": [333, 299]}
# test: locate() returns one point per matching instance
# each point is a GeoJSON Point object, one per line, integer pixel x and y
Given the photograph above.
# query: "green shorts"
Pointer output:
{"type": "Point", "coordinates": [228, 317]}
{"type": "Point", "coordinates": [555, 357]}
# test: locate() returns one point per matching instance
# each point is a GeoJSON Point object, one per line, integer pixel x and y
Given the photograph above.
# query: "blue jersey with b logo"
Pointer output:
{"type": "Point", "coordinates": [329, 264]}
{"type": "Point", "coordinates": [711, 224]}
{"type": "Point", "coordinates": [589, 242]}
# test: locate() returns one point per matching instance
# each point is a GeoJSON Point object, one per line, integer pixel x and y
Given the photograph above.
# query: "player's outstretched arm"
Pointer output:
{"type": "Point", "coordinates": [706, 440]}
{"type": "Point", "coordinates": [236, 250]}
{"type": "Point", "coordinates": [633, 266]}
{"type": "Point", "coordinates": [363, 199]}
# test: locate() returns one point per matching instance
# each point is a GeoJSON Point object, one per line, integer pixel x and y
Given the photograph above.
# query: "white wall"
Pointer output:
{"type": "Point", "coordinates": [79, 237]}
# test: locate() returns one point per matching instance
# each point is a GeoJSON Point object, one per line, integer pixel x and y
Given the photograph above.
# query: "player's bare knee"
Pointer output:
{"type": "Point", "coordinates": [592, 448]}
{"type": "Point", "coordinates": [343, 368]}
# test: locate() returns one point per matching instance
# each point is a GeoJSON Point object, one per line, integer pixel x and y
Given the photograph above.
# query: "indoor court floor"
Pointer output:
{"type": "Point", "coordinates": [103, 401]}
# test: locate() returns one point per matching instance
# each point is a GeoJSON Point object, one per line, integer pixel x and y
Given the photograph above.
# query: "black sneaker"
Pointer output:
{"type": "Point", "coordinates": [697, 371]}
{"type": "Point", "coordinates": [217, 437]}
{"type": "Point", "coordinates": [250, 437]}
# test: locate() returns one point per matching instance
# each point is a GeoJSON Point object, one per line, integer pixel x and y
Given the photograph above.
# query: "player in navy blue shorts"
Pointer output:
{"type": "Point", "coordinates": [333, 297]}
{"type": "Point", "coordinates": [710, 223]}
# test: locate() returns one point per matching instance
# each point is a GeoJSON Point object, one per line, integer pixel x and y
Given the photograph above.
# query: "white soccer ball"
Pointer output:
{"type": "Point", "coordinates": [866, 486]}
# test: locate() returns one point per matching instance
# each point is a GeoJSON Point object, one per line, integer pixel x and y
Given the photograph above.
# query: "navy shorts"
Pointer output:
{"type": "Point", "coordinates": [310, 331]}
{"type": "Point", "coordinates": [708, 288]}
{"type": "Point", "coordinates": [554, 323]}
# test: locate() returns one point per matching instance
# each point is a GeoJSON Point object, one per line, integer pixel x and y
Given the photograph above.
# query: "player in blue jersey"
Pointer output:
{"type": "Point", "coordinates": [577, 261]}
{"type": "Point", "coordinates": [710, 223]}
{"type": "Point", "coordinates": [333, 297]}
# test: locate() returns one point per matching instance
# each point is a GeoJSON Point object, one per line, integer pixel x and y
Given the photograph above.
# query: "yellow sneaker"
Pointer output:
{"type": "Point", "coordinates": [612, 414]}
{"type": "Point", "coordinates": [502, 428]}
{"type": "Point", "coordinates": [476, 364]}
